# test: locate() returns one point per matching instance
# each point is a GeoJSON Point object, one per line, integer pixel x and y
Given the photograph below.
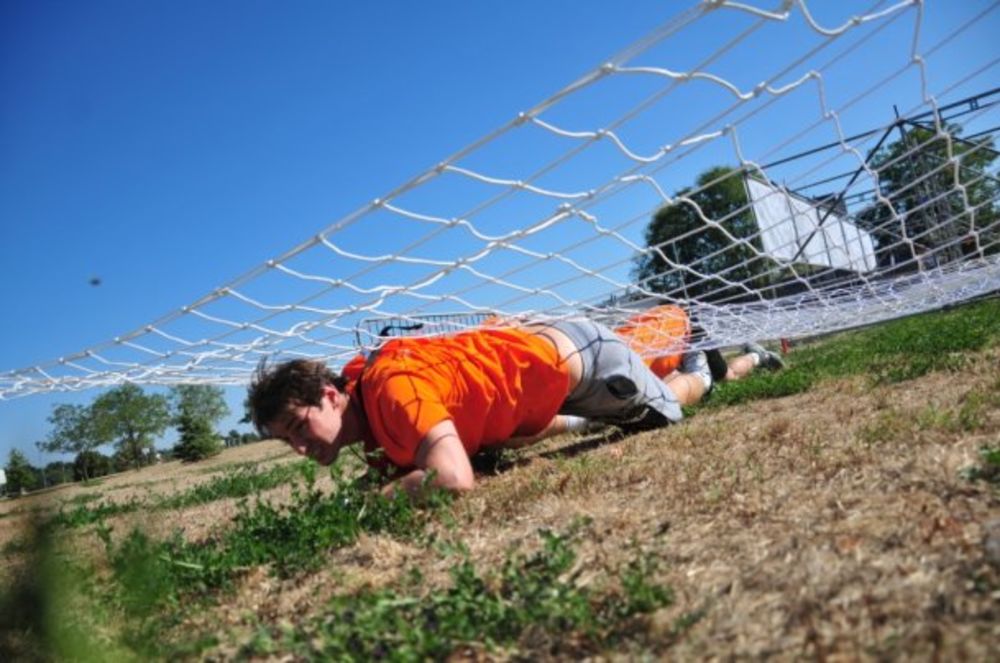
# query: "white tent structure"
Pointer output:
{"type": "Point", "coordinates": [796, 229]}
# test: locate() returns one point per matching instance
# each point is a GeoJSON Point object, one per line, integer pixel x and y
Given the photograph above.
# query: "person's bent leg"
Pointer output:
{"type": "Point", "coordinates": [616, 387]}
{"type": "Point", "coordinates": [561, 423]}
{"type": "Point", "coordinates": [742, 366]}
{"type": "Point", "coordinates": [754, 356]}
{"type": "Point", "coordinates": [688, 388]}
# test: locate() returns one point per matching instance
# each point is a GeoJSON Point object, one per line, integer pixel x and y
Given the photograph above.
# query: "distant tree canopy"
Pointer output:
{"type": "Point", "coordinates": [943, 199]}
{"type": "Point", "coordinates": [918, 175]}
{"type": "Point", "coordinates": [21, 475]}
{"type": "Point", "coordinates": [693, 258]}
{"type": "Point", "coordinates": [91, 464]}
{"type": "Point", "coordinates": [196, 409]}
{"type": "Point", "coordinates": [197, 441]}
{"type": "Point", "coordinates": [234, 438]}
{"type": "Point", "coordinates": [76, 429]}
{"type": "Point", "coordinates": [198, 401]}
{"type": "Point", "coordinates": [57, 472]}
{"type": "Point", "coordinates": [133, 419]}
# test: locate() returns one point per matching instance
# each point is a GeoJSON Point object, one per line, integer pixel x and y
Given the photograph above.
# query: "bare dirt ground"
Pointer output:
{"type": "Point", "coordinates": [834, 525]}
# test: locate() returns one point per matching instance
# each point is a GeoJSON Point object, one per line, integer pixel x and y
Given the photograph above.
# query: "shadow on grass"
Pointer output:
{"type": "Point", "coordinates": [494, 462]}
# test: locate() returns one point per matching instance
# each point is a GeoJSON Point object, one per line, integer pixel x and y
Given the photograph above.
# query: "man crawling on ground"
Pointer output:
{"type": "Point", "coordinates": [426, 405]}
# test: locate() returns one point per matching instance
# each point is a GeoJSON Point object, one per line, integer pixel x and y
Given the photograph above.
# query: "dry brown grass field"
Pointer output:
{"type": "Point", "coordinates": [157, 480]}
{"type": "Point", "coordinates": [834, 524]}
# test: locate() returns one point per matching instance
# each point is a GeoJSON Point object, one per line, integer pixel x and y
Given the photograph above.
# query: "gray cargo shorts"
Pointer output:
{"type": "Point", "coordinates": [617, 387]}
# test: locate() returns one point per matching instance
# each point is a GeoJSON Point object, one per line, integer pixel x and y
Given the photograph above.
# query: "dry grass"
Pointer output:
{"type": "Point", "coordinates": [832, 525]}
{"type": "Point", "coordinates": [147, 483]}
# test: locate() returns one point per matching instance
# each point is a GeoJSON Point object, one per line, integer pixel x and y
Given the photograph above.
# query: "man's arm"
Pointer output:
{"type": "Point", "coordinates": [442, 452]}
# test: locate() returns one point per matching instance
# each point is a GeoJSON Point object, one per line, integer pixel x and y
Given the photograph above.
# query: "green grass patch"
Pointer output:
{"type": "Point", "coordinates": [988, 468]}
{"type": "Point", "coordinates": [893, 352]}
{"type": "Point", "coordinates": [241, 482]}
{"type": "Point", "coordinates": [84, 515]}
{"type": "Point", "coordinates": [48, 609]}
{"type": "Point", "coordinates": [155, 582]}
{"type": "Point", "coordinates": [539, 593]}
{"type": "Point", "coordinates": [289, 538]}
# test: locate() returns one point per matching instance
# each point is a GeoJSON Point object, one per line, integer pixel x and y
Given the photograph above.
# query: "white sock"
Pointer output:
{"type": "Point", "coordinates": [696, 363]}
{"type": "Point", "coordinates": [574, 424]}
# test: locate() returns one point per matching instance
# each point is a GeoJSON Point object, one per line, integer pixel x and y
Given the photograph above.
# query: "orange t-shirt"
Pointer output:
{"type": "Point", "coordinates": [659, 335]}
{"type": "Point", "coordinates": [492, 383]}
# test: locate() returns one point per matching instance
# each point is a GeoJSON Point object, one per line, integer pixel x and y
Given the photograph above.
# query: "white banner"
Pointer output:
{"type": "Point", "coordinates": [788, 222]}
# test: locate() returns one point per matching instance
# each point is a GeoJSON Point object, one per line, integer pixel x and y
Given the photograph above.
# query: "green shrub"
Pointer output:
{"type": "Point", "coordinates": [198, 440]}
{"type": "Point", "coordinates": [988, 468]}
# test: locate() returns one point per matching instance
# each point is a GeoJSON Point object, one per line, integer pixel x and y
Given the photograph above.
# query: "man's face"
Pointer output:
{"type": "Point", "coordinates": [312, 430]}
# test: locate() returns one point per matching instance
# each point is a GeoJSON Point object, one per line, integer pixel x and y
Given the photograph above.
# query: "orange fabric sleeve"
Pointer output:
{"type": "Point", "coordinates": [408, 407]}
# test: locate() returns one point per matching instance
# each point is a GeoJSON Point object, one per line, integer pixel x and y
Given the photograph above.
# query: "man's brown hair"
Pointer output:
{"type": "Point", "coordinates": [276, 387]}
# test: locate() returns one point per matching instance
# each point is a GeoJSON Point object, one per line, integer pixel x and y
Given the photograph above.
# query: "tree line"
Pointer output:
{"type": "Point", "coordinates": [129, 419]}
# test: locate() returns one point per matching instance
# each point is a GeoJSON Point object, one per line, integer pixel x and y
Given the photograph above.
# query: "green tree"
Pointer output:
{"type": "Point", "coordinates": [90, 465]}
{"type": "Point", "coordinates": [58, 472]}
{"type": "Point", "coordinates": [133, 419]}
{"type": "Point", "coordinates": [76, 429]}
{"type": "Point", "coordinates": [716, 251]}
{"type": "Point", "coordinates": [198, 440]}
{"type": "Point", "coordinates": [233, 438]}
{"type": "Point", "coordinates": [196, 409]}
{"type": "Point", "coordinates": [21, 475]}
{"type": "Point", "coordinates": [929, 215]}
{"type": "Point", "coordinates": [198, 401]}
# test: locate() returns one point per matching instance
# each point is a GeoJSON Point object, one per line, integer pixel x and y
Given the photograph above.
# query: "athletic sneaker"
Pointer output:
{"type": "Point", "coordinates": [772, 361]}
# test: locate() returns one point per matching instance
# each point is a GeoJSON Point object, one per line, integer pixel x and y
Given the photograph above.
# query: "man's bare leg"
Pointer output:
{"type": "Point", "coordinates": [561, 423]}
{"type": "Point", "coordinates": [688, 388]}
{"type": "Point", "coordinates": [754, 356]}
{"type": "Point", "coordinates": [740, 367]}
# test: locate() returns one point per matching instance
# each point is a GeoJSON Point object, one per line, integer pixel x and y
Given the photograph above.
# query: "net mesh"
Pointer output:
{"type": "Point", "coordinates": [794, 200]}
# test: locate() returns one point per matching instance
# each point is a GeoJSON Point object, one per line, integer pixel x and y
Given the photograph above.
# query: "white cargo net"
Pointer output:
{"type": "Point", "coordinates": [545, 217]}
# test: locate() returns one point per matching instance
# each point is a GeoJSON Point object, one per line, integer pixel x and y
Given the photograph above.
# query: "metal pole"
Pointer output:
{"type": "Point", "coordinates": [840, 198]}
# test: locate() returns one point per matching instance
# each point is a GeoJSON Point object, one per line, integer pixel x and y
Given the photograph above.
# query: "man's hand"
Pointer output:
{"type": "Point", "coordinates": [442, 451]}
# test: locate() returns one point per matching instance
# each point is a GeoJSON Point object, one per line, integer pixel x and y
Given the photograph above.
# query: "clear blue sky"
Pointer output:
{"type": "Point", "coordinates": [166, 147]}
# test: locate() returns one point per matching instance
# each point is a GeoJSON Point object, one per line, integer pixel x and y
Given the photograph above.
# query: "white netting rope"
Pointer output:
{"type": "Point", "coordinates": [465, 242]}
